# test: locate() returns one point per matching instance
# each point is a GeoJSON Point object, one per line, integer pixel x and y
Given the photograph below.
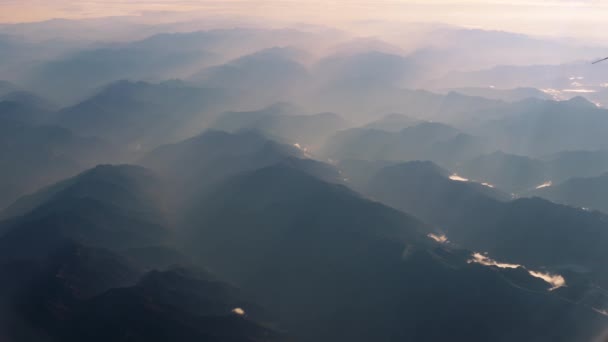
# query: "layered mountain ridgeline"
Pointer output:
{"type": "Point", "coordinates": [589, 193]}
{"type": "Point", "coordinates": [157, 57]}
{"type": "Point", "coordinates": [277, 69]}
{"type": "Point", "coordinates": [59, 288]}
{"type": "Point", "coordinates": [509, 95]}
{"type": "Point", "coordinates": [510, 172]}
{"type": "Point", "coordinates": [140, 115]}
{"type": "Point", "coordinates": [84, 72]}
{"type": "Point", "coordinates": [33, 156]}
{"type": "Point", "coordinates": [79, 293]}
{"type": "Point", "coordinates": [275, 122]}
{"type": "Point", "coordinates": [559, 80]}
{"type": "Point", "coordinates": [538, 128]}
{"type": "Point", "coordinates": [214, 156]}
{"type": "Point", "coordinates": [325, 262]}
{"type": "Point", "coordinates": [533, 128]}
{"type": "Point", "coordinates": [522, 175]}
{"type": "Point", "coordinates": [427, 141]}
{"type": "Point", "coordinates": [367, 101]}
{"type": "Point", "coordinates": [532, 232]}
{"type": "Point", "coordinates": [109, 206]}
{"type": "Point", "coordinates": [23, 106]}
{"type": "Point", "coordinates": [393, 122]}
{"type": "Point", "coordinates": [335, 266]}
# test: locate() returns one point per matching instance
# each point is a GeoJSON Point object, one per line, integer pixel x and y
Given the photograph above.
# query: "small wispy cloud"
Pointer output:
{"type": "Point", "coordinates": [545, 185]}
{"type": "Point", "coordinates": [438, 238]}
{"type": "Point", "coordinates": [457, 178]}
{"type": "Point", "coordinates": [238, 311]}
{"type": "Point", "coordinates": [555, 280]}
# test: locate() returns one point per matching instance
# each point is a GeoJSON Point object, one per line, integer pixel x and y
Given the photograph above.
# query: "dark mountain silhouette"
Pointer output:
{"type": "Point", "coordinates": [41, 294]}
{"type": "Point", "coordinates": [278, 231]}
{"type": "Point", "coordinates": [213, 157]}
{"type": "Point", "coordinates": [142, 115]}
{"type": "Point", "coordinates": [532, 232]}
{"type": "Point", "coordinates": [32, 156]}
{"type": "Point", "coordinates": [79, 293]}
{"type": "Point", "coordinates": [230, 229]}
{"type": "Point", "coordinates": [27, 97]}
{"type": "Point", "coordinates": [115, 207]}
{"type": "Point", "coordinates": [23, 106]}
{"type": "Point", "coordinates": [589, 193]}
{"type": "Point", "coordinates": [16, 110]}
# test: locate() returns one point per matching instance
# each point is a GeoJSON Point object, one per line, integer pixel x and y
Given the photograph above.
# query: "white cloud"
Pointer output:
{"type": "Point", "coordinates": [545, 185]}
{"type": "Point", "coordinates": [555, 280]}
{"type": "Point", "coordinates": [457, 178]}
{"type": "Point", "coordinates": [238, 311]}
{"type": "Point", "coordinates": [438, 238]}
{"type": "Point", "coordinates": [486, 261]}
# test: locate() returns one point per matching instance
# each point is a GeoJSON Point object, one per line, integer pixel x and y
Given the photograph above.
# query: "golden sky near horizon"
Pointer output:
{"type": "Point", "coordinates": [548, 17]}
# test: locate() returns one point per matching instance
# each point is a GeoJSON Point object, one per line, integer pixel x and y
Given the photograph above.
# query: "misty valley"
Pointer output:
{"type": "Point", "coordinates": [241, 181]}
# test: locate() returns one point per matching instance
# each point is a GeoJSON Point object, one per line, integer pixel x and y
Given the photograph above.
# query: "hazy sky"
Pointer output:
{"type": "Point", "coordinates": [581, 18]}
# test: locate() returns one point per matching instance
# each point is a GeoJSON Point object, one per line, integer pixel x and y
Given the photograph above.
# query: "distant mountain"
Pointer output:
{"type": "Point", "coordinates": [359, 172]}
{"type": "Point", "coordinates": [159, 57]}
{"type": "Point", "coordinates": [266, 76]}
{"type": "Point", "coordinates": [371, 272]}
{"type": "Point", "coordinates": [556, 76]}
{"type": "Point", "coordinates": [419, 176]}
{"type": "Point", "coordinates": [538, 128]}
{"type": "Point", "coordinates": [570, 164]}
{"type": "Point", "coordinates": [363, 45]}
{"type": "Point", "coordinates": [115, 207]}
{"type": "Point", "coordinates": [589, 193]}
{"type": "Point", "coordinates": [371, 68]}
{"type": "Point", "coordinates": [18, 54]}
{"type": "Point", "coordinates": [521, 175]}
{"type": "Point", "coordinates": [27, 97]}
{"type": "Point", "coordinates": [7, 88]}
{"type": "Point", "coordinates": [518, 230]}
{"type": "Point", "coordinates": [308, 131]}
{"type": "Point", "coordinates": [32, 156]}
{"type": "Point", "coordinates": [215, 156]}
{"type": "Point", "coordinates": [426, 141]}
{"type": "Point", "coordinates": [22, 112]}
{"type": "Point", "coordinates": [512, 173]}
{"type": "Point", "coordinates": [23, 106]}
{"type": "Point", "coordinates": [393, 123]}
{"type": "Point", "coordinates": [494, 48]}
{"type": "Point", "coordinates": [510, 95]}
{"type": "Point", "coordinates": [142, 115]}
{"type": "Point", "coordinates": [83, 72]}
